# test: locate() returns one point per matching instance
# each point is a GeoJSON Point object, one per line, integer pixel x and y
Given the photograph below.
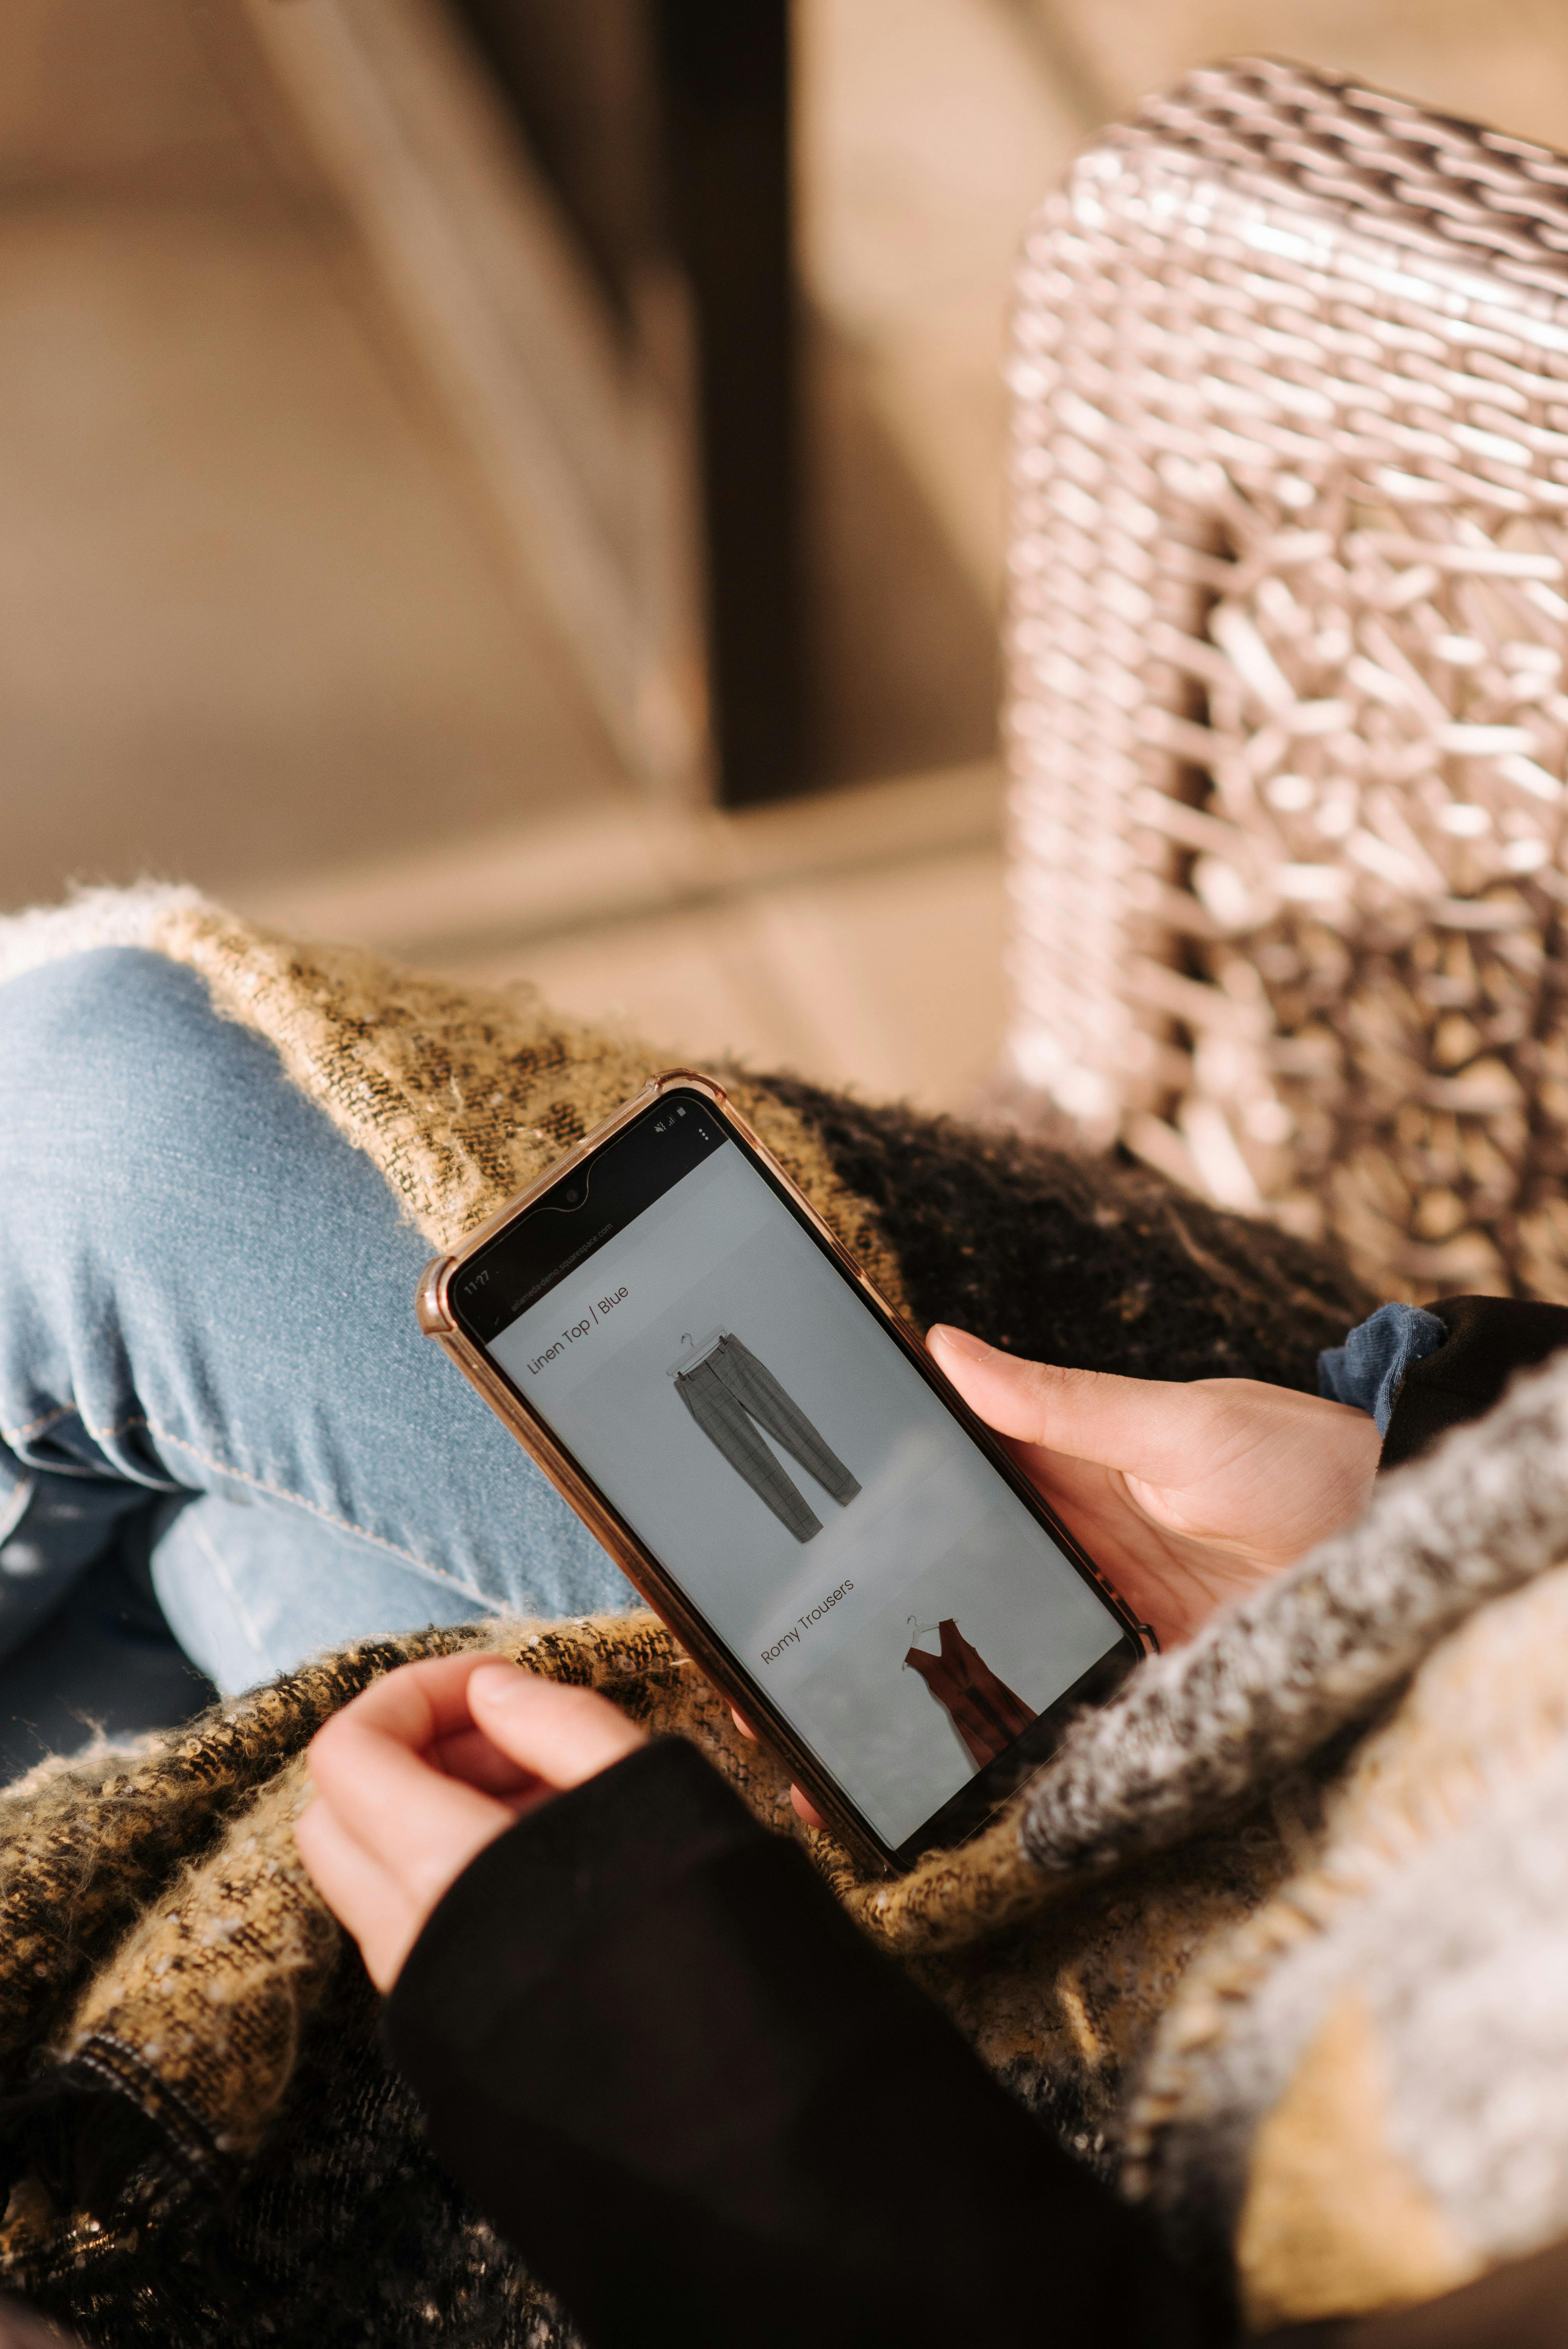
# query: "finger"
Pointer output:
{"type": "Point", "coordinates": [419, 1704]}
{"type": "Point", "coordinates": [743, 1725]}
{"type": "Point", "coordinates": [425, 1708]}
{"type": "Point", "coordinates": [1147, 1426]}
{"type": "Point", "coordinates": [362, 1895]}
{"type": "Point", "coordinates": [473, 1757]}
{"type": "Point", "coordinates": [562, 1734]}
{"type": "Point", "coordinates": [386, 1794]}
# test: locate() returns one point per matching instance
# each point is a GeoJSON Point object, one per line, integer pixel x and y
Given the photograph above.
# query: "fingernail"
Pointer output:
{"type": "Point", "coordinates": [961, 1341]}
{"type": "Point", "coordinates": [497, 1683]}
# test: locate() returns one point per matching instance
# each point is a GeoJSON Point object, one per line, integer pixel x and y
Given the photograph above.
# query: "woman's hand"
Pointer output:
{"type": "Point", "coordinates": [417, 1774]}
{"type": "Point", "coordinates": [1187, 1494]}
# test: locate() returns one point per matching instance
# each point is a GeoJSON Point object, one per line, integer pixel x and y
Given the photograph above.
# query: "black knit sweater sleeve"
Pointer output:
{"type": "Point", "coordinates": [1490, 1338]}
{"type": "Point", "coordinates": [707, 2111]}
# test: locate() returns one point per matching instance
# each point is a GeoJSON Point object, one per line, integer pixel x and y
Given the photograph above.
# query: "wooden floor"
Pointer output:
{"type": "Point", "coordinates": [856, 937]}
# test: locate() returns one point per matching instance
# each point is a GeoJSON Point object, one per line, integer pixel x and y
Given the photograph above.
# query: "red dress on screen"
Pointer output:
{"type": "Point", "coordinates": [986, 1712]}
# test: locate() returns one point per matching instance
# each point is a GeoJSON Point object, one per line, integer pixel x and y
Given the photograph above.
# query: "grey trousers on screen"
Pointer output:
{"type": "Point", "coordinates": [729, 1391]}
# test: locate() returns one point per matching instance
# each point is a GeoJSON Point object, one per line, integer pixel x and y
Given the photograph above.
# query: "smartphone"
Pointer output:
{"type": "Point", "coordinates": [669, 1327]}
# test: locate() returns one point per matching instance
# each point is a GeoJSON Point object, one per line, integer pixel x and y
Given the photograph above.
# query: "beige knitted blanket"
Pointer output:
{"type": "Point", "coordinates": [1277, 1937]}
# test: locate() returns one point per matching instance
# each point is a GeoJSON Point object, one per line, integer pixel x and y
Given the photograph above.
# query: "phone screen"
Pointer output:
{"type": "Point", "coordinates": [743, 1408]}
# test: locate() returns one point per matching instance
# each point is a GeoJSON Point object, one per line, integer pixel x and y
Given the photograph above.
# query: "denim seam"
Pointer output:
{"type": "Point", "coordinates": [314, 1509]}
{"type": "Point", "coordinates": [14, 1436]}
{"type": "Point", "coordinates": [205, 1541]}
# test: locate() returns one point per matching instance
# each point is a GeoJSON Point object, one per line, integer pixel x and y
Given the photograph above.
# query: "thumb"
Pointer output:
{"type": "Point", "coordinates": [1146, 1427]}
{"type": "Point", "coordinates": [562, 1734]}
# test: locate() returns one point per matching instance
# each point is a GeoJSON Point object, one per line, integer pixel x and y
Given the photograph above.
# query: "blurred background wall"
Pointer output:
{"type": "Point", "coordinates": [354, 557]}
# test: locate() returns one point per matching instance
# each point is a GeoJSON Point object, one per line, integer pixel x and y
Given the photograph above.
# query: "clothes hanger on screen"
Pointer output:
{"type": "Point", "coordinates": [918, 1631]}
{"type": "Point", "coordinates": [696, 1351]}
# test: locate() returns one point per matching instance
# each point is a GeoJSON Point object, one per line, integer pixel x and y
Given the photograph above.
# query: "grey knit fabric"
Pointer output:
{"type": "Point", "coordinates": [1265, 1683]}
{"type": "Point", "coordinates": [1358, 2095]}
{"type": "Point", "coordinates": [1461, 1954]}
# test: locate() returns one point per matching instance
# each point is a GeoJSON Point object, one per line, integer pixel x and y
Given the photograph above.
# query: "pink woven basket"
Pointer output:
{"type": "Point", "coordinates": [1288, 720]}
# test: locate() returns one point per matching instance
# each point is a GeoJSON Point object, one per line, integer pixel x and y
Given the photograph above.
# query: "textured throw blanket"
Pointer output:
{"type": "Point", "coordinates": [1279, 1938]}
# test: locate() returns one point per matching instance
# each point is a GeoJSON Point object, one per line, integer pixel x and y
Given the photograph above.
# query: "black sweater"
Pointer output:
{"type": "Point", "coordinates": [707, 2111]}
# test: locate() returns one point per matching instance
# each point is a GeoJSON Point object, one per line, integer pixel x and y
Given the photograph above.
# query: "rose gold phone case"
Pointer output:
{"type": "Point", "coordinates": [640, 1567]}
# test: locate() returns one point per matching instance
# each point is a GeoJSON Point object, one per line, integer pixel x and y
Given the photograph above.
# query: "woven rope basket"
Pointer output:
{"type": "Point", "coordinates": [1288, 719]}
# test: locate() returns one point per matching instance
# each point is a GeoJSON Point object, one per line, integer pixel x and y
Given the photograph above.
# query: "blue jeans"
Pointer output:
{"type": "Point", "coordinates": [207, 1339]}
